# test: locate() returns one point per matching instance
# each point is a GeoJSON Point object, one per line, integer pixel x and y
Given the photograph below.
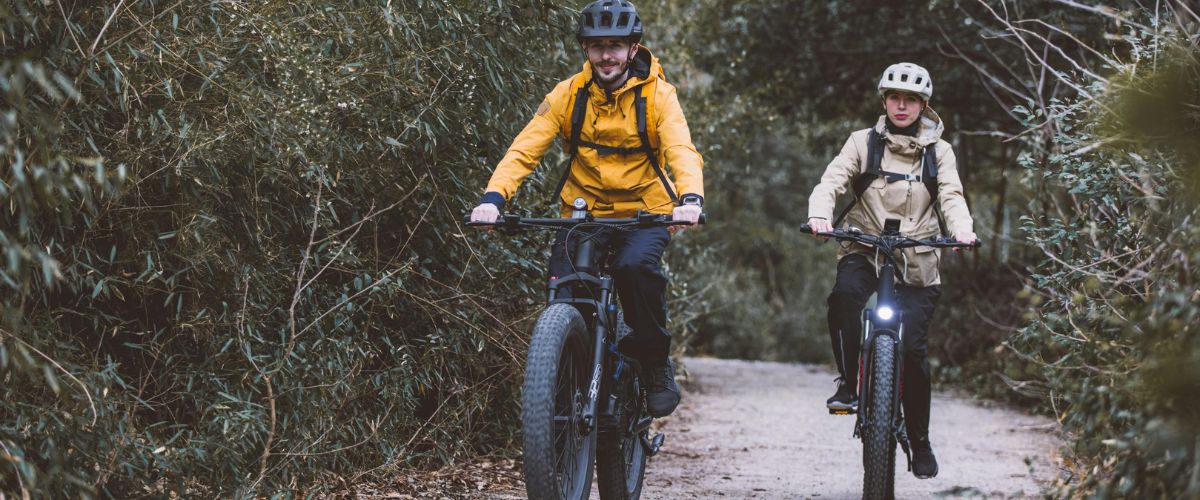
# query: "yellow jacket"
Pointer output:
{"type": "Point", "coordinates": [614, 185]}
{"type": "Point", "coordinates": [908, 201]}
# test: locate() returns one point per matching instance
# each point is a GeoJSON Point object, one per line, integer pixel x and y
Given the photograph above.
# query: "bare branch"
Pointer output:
{"type": "Point", "coordinates": [1103, 10]}
{"type": "Point", "coordinates": [92, 49]}
{"type": "Point", "coordinates": [69, 375]}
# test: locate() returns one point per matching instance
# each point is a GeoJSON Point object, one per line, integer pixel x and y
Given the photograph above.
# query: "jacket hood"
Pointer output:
{"type": "Point", "coordinates": [930, 131]}
{"type": "Point", "coordinates": [644, 68]}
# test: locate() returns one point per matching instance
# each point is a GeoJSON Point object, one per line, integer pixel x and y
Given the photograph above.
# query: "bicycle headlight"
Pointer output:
{"type": "Point", "coordinates": [885, 313]}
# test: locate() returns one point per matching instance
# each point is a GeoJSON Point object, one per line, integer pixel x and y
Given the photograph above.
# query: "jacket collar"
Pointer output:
{"type": "Point", "coordinates": [930, 131]}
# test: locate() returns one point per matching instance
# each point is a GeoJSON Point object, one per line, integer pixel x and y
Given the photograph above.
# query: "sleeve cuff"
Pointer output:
{"type": "Point", "coordinates": [691, 195]}
{"type": "Point", "coordinates": [493, 198]}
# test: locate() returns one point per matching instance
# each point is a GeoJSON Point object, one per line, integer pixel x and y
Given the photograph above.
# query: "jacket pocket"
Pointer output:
{"type": "Point", "coordinates": [655, 198]}
{"type": "Point", "coordinates": [885, 200]}
{"type": "Point", "coordinates": [922, 266]}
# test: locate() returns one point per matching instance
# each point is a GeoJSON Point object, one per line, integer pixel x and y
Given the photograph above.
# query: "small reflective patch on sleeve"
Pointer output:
{"type": "Point", "coordinates": [543, 109]}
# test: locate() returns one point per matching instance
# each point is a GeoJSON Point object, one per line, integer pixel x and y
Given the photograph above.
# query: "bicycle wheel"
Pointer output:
{"type": "Point", "coordinates": [621, 456]}
{"type": "Point", "coordinates": [878, 433]}
{"type": "Point", "coordinates": [559, 453]}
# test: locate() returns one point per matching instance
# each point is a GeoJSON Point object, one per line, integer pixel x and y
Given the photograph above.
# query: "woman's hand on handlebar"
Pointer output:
{"type": "Point", "coordinates": [820, 225]}
{"type": "Point", "coordinates": [967, 237]}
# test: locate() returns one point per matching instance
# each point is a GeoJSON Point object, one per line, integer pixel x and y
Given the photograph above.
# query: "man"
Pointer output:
{"type": "Point", "coordinates": [622, 123]}
{"type": "Point", "coordinates": [908, 128]}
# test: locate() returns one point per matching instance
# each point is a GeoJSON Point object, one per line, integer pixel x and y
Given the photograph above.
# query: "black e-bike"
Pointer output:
{"type": "Point", "coordinates": [583, 402]}
{"type": "Point", "coordinates": [880, 421]}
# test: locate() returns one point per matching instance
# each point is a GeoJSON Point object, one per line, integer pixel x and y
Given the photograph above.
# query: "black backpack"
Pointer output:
{"type": "Point", "coordinates": [928, 177]}
{"type": "Point", "coordinates": [579, 110]}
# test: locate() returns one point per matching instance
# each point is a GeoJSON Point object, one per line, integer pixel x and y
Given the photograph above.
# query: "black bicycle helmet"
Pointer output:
{"type": "Point", "coordinates": [609, 18]}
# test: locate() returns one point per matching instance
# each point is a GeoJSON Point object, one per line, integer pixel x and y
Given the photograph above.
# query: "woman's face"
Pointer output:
{"type": "Point", "coordinates": [903, 108]}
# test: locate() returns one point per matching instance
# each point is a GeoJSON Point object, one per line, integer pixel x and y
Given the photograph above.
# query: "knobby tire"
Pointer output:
{"type": "Point", "coordinates": [621, 457]}
{"type": "Point", "coordinates": [879, 438]}
{"type": "Point", "coordinates": [558, 459]}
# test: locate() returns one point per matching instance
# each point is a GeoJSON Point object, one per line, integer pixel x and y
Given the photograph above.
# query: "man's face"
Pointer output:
{"type": "Point", "coordinates": [903, 108]}
{"type": "Point", "coordinates": [609, 57]}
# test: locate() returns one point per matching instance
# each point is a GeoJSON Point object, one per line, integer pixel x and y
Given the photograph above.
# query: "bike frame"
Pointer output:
{"type": "Point", "coordinates": [600, 311]}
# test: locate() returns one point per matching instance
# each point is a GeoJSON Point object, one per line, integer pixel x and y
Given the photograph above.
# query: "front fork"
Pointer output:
{"type": "Point", "coordinates": [605, 315]}
{"type": "Point", "coordinates": [864, 377]}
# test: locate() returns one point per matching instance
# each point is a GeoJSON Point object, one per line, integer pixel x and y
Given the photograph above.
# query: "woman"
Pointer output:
{"type": "Point", "coordinates": [907, 131]}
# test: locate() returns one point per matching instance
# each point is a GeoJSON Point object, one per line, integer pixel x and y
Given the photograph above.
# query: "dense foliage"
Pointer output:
{"type": "Point", "coordinates": [233, 265]}
{"type": "Point", "coordinates": [1118, 293]}
{"type": "Point", "coordinates": [232, 253]}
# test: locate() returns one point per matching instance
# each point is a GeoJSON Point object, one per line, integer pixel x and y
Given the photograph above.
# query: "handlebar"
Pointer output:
{"type": "Point", "coordinates": [893, 242]}
{"type": "Point", "coordinates": [514, 222]}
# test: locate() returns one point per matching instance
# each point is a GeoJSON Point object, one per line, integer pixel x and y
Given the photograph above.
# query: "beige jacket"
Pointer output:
{"type": "Point", "coordinates": [908, 201]}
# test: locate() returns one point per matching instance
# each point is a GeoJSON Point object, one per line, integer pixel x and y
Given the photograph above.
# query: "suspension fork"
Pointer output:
{"type": "Point", "coordinates": [885, 296]}
{"type": "Point", "coordinates": [596, 386]}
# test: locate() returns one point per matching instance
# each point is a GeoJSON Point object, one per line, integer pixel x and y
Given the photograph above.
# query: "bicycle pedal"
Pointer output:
{"type": "Point", "coordinates": [653, 445]}
{"type": "Point", "coordinates": [843, 411]}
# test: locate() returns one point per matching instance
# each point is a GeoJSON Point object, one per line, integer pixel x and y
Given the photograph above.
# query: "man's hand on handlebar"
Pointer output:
{"type": "Point", "coordinates": [820, 225]}
{"type": "Point", "coordinates": [486, 213]}
{"type": "Point", "coordinates": [689, 213]}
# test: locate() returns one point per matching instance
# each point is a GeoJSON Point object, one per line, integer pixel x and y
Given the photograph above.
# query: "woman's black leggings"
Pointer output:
{"type": "Point", "coordinates": [856, 281]}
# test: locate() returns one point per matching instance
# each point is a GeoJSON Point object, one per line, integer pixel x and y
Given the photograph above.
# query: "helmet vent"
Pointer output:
{"type": "Point", "coordinates": [589, 21]}
{"type": "Point", "coordinates": [904, 77]}
{"type": "Point", "coordinates": [606, 20]}
{"type": "Point", "coordinates": [918, 81]}
{"type": "Point", "coordinates": [623, 19]}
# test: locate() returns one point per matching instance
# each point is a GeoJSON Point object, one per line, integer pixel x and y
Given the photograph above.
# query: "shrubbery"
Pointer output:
{"type": "Point", "coordinates": [1115, 338]}
{"type": "Point", "coordinates": [233, 265]}
{"type": "Point", "coordinates": [233, 261]}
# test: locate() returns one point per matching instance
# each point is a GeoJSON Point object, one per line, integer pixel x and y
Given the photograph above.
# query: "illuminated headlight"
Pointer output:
{"type": "Point", "coordinates": [885, 313]}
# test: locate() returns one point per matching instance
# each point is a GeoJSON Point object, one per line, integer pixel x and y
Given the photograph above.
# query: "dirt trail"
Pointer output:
{"type": "Point", "coordinates": [749, 429]}
{"type": "Point", "coordinates": [760, 430]}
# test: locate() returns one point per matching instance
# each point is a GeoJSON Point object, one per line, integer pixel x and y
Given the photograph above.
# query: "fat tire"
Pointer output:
{"type": "Point", "coordinates": [879, 438]}
{"type": "Point", "coordinates": [559, 341]}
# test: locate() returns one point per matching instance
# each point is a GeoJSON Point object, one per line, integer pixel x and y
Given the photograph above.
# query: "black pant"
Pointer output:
{"type": "Point", "coordinates": [856, 281]}
{"type": "Point", "coordinates": [635, 262]}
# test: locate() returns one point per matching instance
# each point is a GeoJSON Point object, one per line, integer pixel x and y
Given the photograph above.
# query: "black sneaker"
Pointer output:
{"type": "Point", "coordinates": [662, 393]}
{"type": "Point", "coordinates": [844, 399]}
{"type": "Point", "coordinates": [924, 464]}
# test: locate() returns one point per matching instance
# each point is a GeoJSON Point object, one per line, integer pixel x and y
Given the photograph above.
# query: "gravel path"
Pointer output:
{"type": "Point", "coordinates": [752, 429]}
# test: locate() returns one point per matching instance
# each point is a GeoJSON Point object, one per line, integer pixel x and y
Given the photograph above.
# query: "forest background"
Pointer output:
{"type": "Point", "coordinates": [233, 262]}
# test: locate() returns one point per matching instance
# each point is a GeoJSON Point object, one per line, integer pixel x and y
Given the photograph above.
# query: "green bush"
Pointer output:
{"type": "Point", "coordinates": [1115, 341]}
{"type": "Point", "coordinates": [233, 257]}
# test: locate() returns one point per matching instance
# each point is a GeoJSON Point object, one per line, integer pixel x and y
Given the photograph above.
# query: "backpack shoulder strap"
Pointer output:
{"type": "Point", "coordinates": [644, 125]}
{"type": "Point", "coordinates": [572, 128]}
{"type": "Point", "coordinates": [929, 172]}
{"type": "Point", "coordinates": [650, 91]}
{"type": "Point", "coordinates": [874, 164]}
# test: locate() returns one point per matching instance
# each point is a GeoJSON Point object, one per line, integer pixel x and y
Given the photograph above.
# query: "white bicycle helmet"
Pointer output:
{"type": "Point", "coordinates": [907, 77]}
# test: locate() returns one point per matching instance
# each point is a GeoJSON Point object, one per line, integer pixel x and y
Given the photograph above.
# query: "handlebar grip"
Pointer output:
{"type": "Point", "coordinates": [703, 219]}
{"type": "Point", "coordinates": [467, 221]}
{"type": "Point", "coordinates": [805, 228]}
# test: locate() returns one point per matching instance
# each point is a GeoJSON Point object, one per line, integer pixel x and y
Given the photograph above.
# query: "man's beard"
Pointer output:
{"type": "Point", "coordinates": [617, 76]}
